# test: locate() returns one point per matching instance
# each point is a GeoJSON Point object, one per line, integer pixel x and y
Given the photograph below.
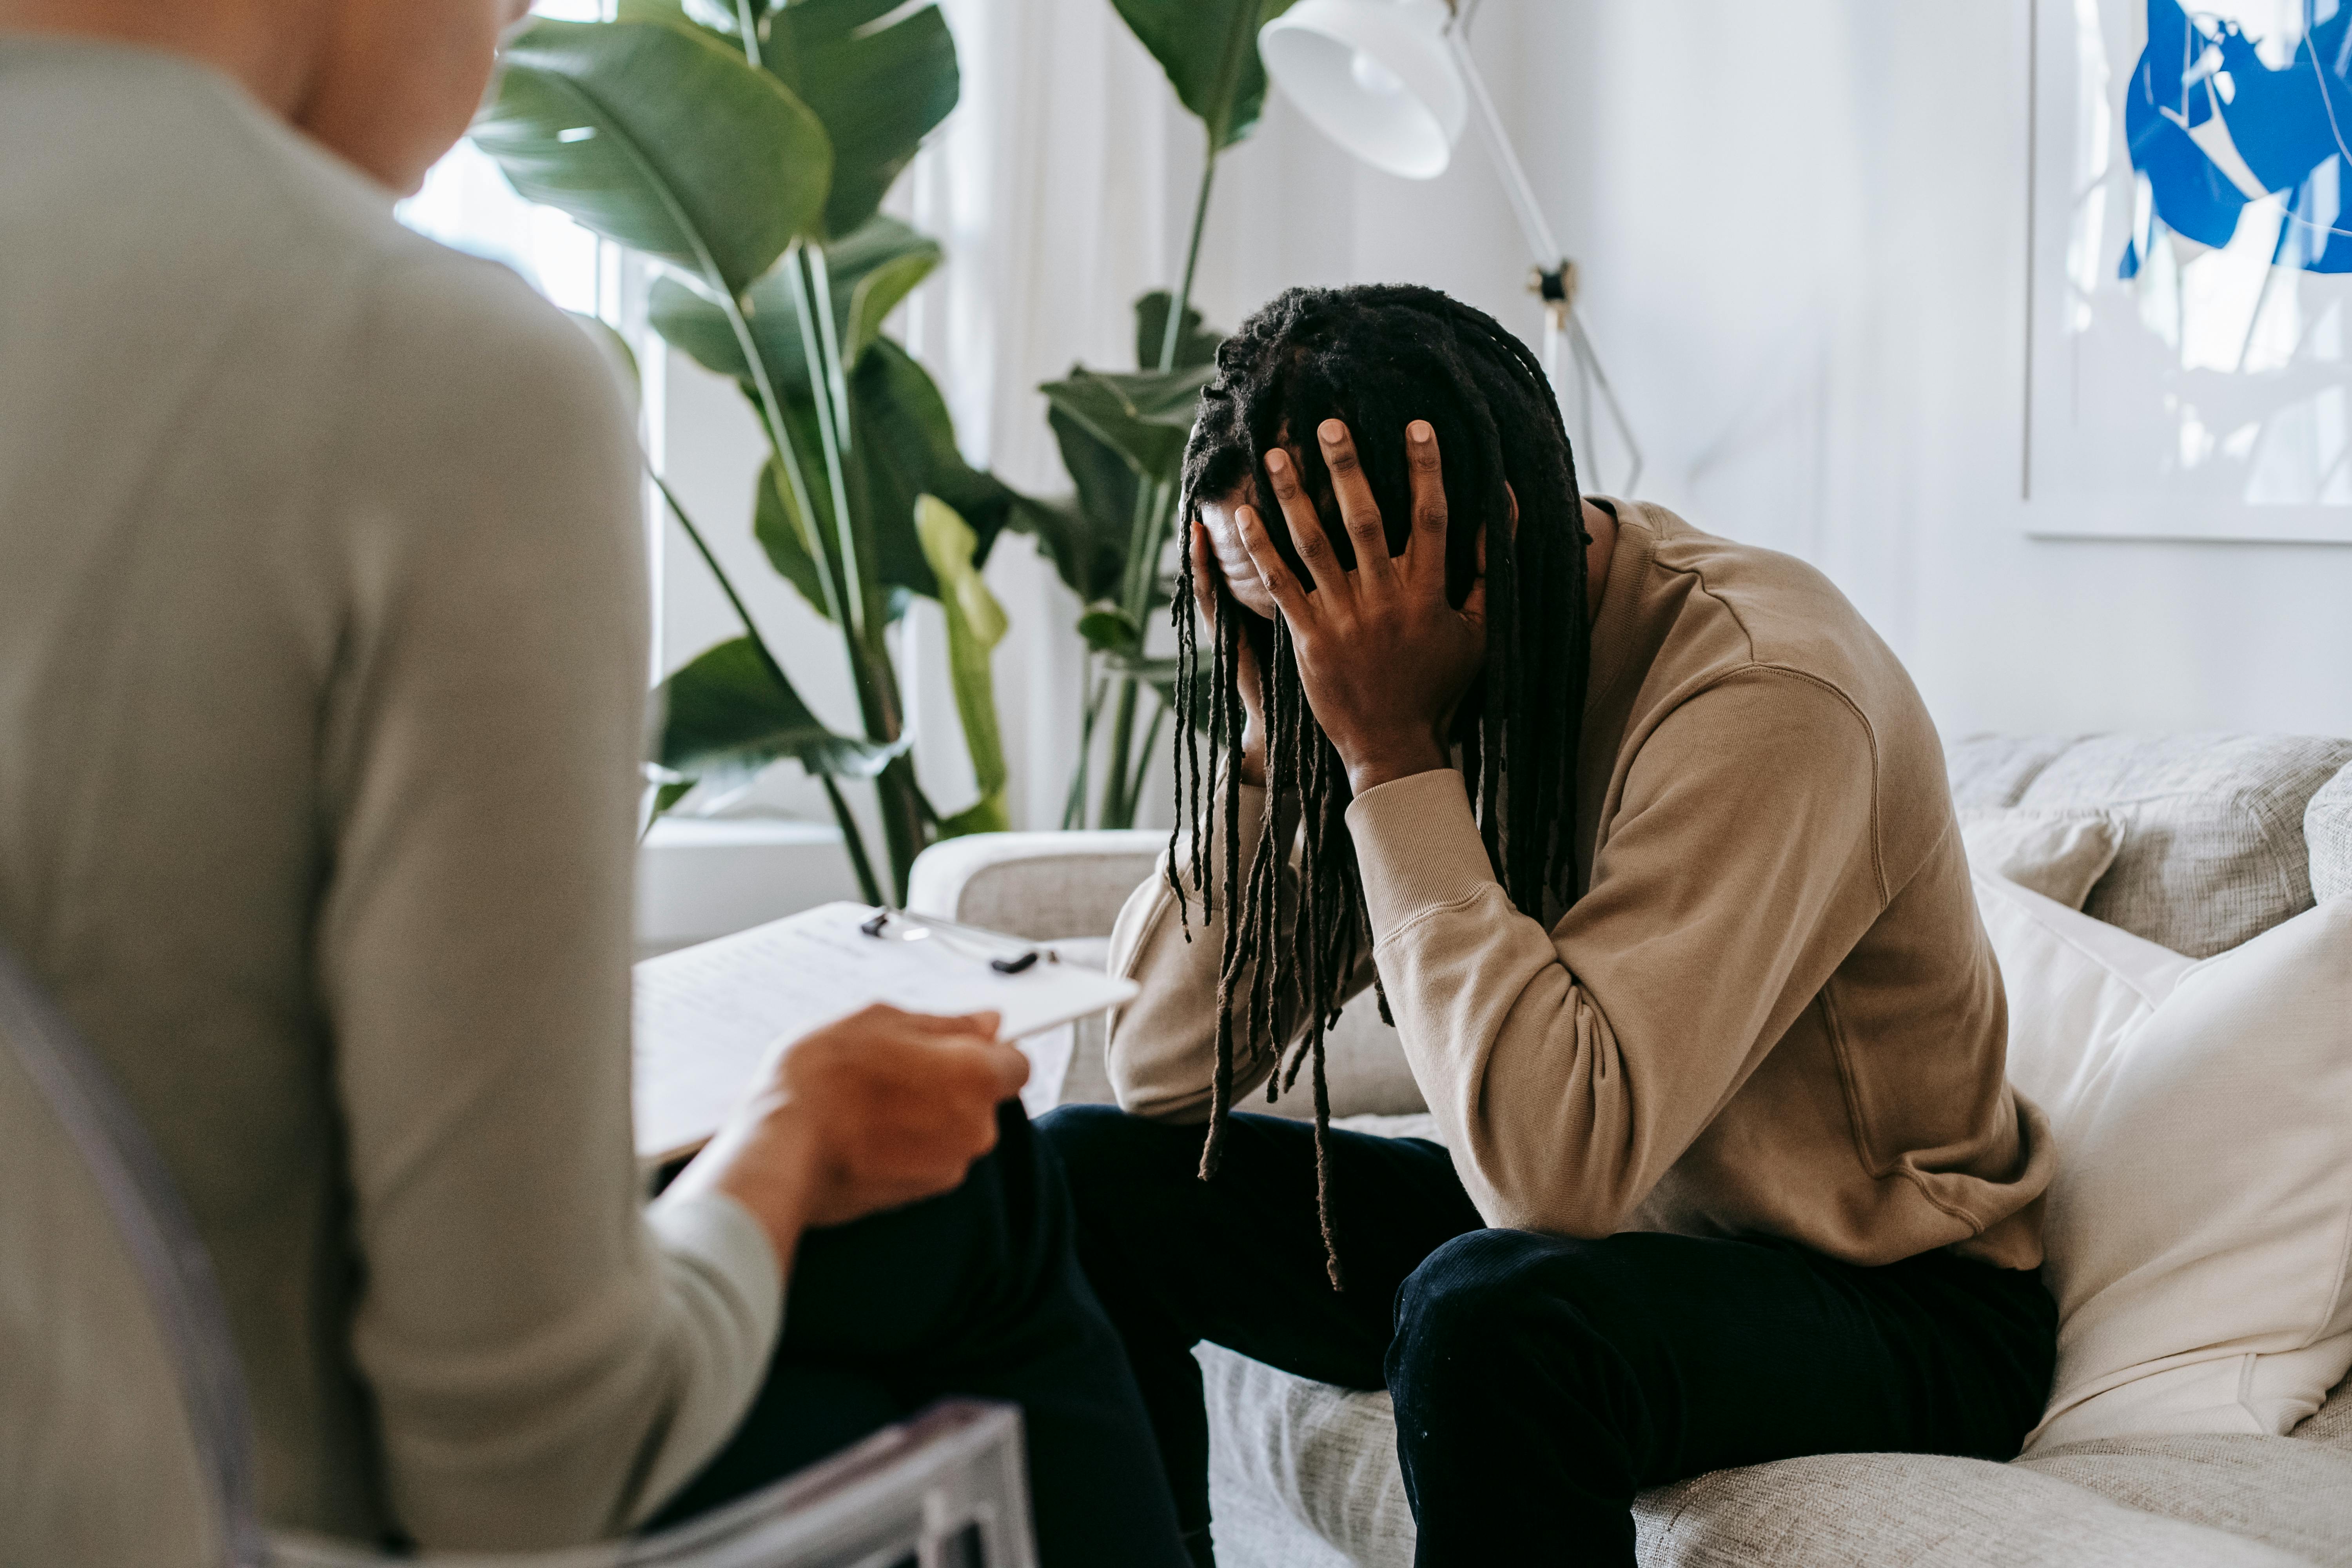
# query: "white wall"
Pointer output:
{"type": "Point", "coordinates": [1804, 231]}
{"type": "Point", "coordinates": [1801, 229]}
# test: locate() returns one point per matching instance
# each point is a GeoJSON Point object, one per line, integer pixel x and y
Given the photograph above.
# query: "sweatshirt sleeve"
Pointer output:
{"type": "Point", "coordinates": [547, 1357]}
{"type": "Point", "coordinates": [1162, 1048]}
{"type": "Point", "coordinates": [1569, 1069]}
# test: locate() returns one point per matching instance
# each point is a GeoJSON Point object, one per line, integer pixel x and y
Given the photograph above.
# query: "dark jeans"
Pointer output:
{"type": "Point", "coordinates": [1539, 1383]}
{"type": "Point", "coordinates": [976, 1293]}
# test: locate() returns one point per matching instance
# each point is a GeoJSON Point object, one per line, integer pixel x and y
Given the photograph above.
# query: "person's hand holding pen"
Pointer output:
{"type": "Point", "coordinates": [877, 1110]}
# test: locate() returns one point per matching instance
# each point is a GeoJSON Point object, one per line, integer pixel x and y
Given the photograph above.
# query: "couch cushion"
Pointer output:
{"type": "Point", "coordinates": [2059, 853]}
{"type": "Point", "coordinates": [2213, 850]}
{"type": "Point", "coordinates": [2292, 1495]}
{"type": "Point", "coordinates": [2328, 829]}
{"type": "Point", "coordinates": [1873, 1511]}
{"type": "Point", "coordinates": [1303, 1475]}
{"type": "Point", "coordinates": [2332, 1426]}
{"type": "Point", "coordinates": [1995, 770]}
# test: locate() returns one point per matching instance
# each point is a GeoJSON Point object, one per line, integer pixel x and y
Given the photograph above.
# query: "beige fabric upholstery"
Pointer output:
{"type": "Point", "coordinates": [1042, 886]}
{"type": "Point", "coordinates": [1916, 1510]}
{"type": "Point", "coordinates": [2332, 1426]}
{"type": "Point", "coordinates": [2213, 849]}
{"type": "Point", "coordinates": [2328, 829]}
{"type": "Point", "coordinates": [2293, 1495]}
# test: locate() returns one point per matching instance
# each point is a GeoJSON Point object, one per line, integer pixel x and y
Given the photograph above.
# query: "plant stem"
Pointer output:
{"type": "Point", "coordinates": [1143, 760]}
{"type": "Point", "coordinates": [751, 31]}
{"type": "Point", "coordinates": [852, 839]}
{"type": "Point", "coordinates": [868, 888]}
{"type": "Point", "coordinates": [830, 438]}
{"type": "Point", "coordinates": [1074, 809]}
{"type": "Point", "coordinates": [1177, 306]}
{"type": "Point", "coordinates": [1117, 810]}
{"type": "Point", "coordinates": [838, 372]}
{"type": "Point", "coordinates": [894, 788]}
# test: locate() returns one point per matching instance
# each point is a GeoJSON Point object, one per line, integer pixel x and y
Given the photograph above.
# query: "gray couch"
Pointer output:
{"type": "Point", "coordinates": [2227, 835]}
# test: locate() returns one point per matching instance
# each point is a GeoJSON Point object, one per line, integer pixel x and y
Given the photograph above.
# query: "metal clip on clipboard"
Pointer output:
{"type": "Point", "coordinates": [1005, 954]}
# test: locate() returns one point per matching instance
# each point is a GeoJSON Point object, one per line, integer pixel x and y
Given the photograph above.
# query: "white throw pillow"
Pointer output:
{"type": "Point", "coordinates": [2060, 852]}
{"type": "Point", "coordinates": [2076, 986]}
{"type": "Point", "coordinates": [2199, 1225]}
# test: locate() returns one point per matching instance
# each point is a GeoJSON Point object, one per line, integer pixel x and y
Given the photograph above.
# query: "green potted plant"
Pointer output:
{"type": "Point", "coordinates": [745, 148]}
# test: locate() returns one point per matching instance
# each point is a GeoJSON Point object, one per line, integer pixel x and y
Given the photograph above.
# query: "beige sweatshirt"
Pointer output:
{"type": "Point", "coordinates": [322, 666]}
{"type": "Point", "coordinates": [1772, 1010]}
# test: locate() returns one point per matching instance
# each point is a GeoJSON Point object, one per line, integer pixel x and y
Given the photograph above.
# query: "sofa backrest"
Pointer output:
{"type": "Point", "coordinates": [2327, 829]}
{"type": "Point", "coordinates": [2225, 835]}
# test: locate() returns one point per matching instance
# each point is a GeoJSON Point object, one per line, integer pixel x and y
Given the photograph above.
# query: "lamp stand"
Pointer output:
{"type": "Point", "coordinates": [1554, 278]}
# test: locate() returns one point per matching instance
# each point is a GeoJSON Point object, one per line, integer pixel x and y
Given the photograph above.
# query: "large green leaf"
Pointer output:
{"type": "Point", "coordinates": [1087, 539]}
{"type": "Point", "coordinates": [662, 138]}
{"type": "Point", "coordinates": [976, 624]}
{"type": "Point", "coordinates": [1145, 416]}
{"type": "Point", "coordinates": [879, 90]}
{"type": "Point", "coordinates": [1195, 344]}
{"type": "Point", "coordinates": [869, 273]}
{"type": "Point", "coordinates": [1209, 49]}
{"type": "Point", "coordinates": [879, 75]}
{"type": "Point", "coordinates": [1109, 629]}
{"type": "Point", "coordinates": [727, 715]}
{"type": "Point", "coordinates": [905, 443]}
{"type": "Point", "coordinates": [902, 446]}
{"type": "Point", "coordinates": [780, 533]}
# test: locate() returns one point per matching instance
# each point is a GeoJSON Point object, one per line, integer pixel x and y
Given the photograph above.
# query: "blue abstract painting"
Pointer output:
{"type": "Point", "coordinates": [2213, 126]}
{"type": "Point", "coordinates": [2189, 330]}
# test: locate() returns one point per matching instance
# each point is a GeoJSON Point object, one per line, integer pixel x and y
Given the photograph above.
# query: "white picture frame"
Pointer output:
{"type": "Point", "coordinates": [2209, 395]}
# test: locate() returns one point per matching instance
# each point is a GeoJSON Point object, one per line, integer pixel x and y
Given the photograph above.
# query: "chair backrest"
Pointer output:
{"type": "Point", "coordinates": [124, 1433]}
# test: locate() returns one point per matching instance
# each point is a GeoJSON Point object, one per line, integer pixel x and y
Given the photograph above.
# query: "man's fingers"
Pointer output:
{"type": "Point", "coordinates": [1424, 551]}
{"type": "Point", "coordinates": [1305, 532]}
{"type": "Point", "coordinates": [1358, 509]}
{"type": "Point", "coordinates": [1288, 595]}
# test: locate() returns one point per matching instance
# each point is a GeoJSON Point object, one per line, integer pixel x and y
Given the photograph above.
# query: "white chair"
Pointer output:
{"type": "Point", "coordinates": [124, 1433]}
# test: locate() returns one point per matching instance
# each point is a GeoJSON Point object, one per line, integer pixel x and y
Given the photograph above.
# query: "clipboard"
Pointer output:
{"type": "Point", "coordinates": [710, 1020]}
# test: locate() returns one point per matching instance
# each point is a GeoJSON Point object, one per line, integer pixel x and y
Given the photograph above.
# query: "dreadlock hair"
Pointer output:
{"type": "Point", "coordinates": [1376, 357]}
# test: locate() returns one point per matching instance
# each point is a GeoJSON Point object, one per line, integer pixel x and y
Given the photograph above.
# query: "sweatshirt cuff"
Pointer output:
{"type": "Point", "coordinates": [732, 1249]}
{"type": "Point", "coordinates": [1418, 848]}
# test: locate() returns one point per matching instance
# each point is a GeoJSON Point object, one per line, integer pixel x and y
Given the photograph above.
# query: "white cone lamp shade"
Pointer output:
{"type": "Point", "coordinates": [1375, 76]}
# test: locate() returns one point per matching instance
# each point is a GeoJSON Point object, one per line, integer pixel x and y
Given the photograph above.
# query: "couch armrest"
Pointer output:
{"type": "Point", "coordinates": [1042, 886]}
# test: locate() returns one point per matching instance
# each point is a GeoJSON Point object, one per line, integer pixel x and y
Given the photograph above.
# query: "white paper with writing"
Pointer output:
{"type": "Point", "coordinates": [710, 1018]}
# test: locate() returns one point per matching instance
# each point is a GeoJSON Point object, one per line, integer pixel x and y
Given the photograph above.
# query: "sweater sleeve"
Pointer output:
{"type": "Point", "coordinates": [547, 1358]}
{"type": "Point", "coordinates": [1162, 1048]}
{"type": "Point", "coordinates": [1569, 1069]}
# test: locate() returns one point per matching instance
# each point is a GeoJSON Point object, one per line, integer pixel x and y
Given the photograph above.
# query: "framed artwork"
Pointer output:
{"type": "Point", "coordinates": [2190, 325]}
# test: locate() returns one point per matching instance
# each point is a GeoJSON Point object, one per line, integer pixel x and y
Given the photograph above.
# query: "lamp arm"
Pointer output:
{"type": "Point", "coordinates": [1546, 248]}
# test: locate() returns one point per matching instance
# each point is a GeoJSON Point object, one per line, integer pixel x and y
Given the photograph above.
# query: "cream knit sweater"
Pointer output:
{"type": "Point", "coordinates": [322, 668]}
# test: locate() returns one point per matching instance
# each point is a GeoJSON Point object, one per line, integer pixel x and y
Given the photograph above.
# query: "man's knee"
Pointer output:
{"type": "Point", "coordinates": [1488, 1304]}
{"type": "Point", "coordinates": [1111, 1155]}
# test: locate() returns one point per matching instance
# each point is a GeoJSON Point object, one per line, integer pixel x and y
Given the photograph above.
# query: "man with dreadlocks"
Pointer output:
{"type": "Point", "coordinates": [1645, 838]}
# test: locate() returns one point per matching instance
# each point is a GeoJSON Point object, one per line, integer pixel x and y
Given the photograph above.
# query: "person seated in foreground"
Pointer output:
{"type": "Point", "coordinates": [1646, 838]}
{"type": "Point", "coordinates": [322, 671]}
